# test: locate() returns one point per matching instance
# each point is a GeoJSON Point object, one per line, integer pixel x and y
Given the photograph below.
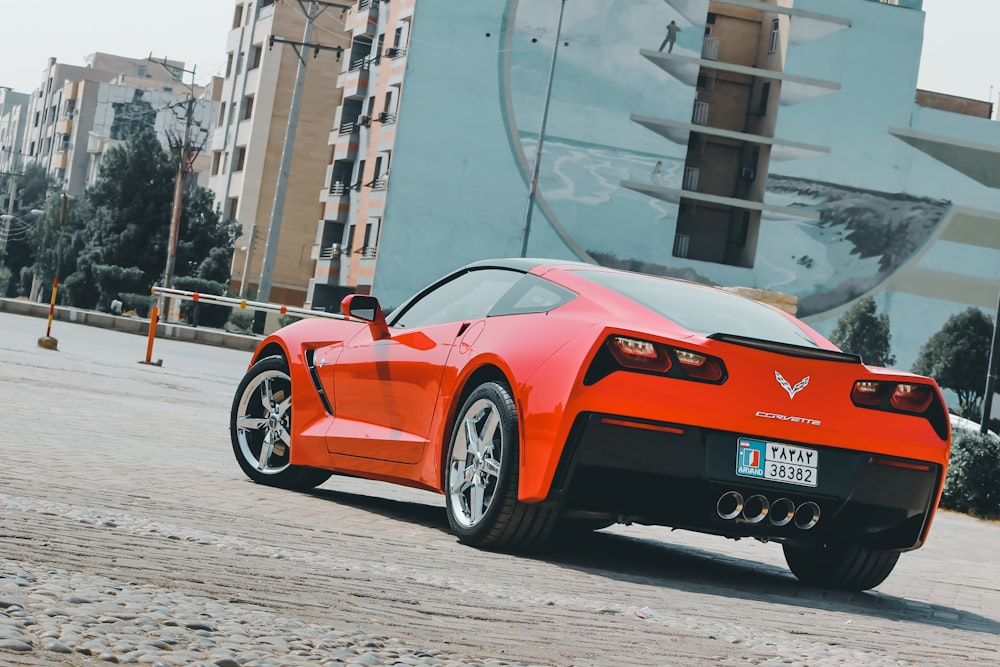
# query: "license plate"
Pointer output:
{"type": "Point", "coordinates": [776, 462]}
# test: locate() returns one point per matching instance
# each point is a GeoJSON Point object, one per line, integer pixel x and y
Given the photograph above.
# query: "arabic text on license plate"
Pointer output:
{"type": "Point", "coordinates": [776, 462]}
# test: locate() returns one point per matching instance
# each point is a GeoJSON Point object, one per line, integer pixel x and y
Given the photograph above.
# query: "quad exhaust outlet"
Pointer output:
{"type": "Point", "coordinates": [755, 509]}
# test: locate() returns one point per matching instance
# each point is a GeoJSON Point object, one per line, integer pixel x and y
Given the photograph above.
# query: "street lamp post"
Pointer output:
{"type": "Point", "coordinates": [47, 341]}
{"type": "Point", "coordinates": [991, 375]}
{"type": "Point", "coordinates": [533, 185]}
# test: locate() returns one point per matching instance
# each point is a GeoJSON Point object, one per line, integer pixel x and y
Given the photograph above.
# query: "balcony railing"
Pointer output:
{"type": "Point", "coordinates": [690, 181]}
{"type": "Point", "coordinates": [339, 188]}
{"type": "Point", "coordinates": [364, 62]}
{"type": "Point", "coordinates": [380, 183]}
{"type": "Point", "coordinates": [681, 243]}
{"type": "Point", "coordinates": [348, 127]}
{"type": "Point", "coordinates": [395, 52]}
{"type": "Point", "coordinates": [700, 114]}
{"type": "Point", "coordinates": [331, 251]}
{"type": "Point", "coordinates": [369, 251]}
{"type": "Point", "coordinates": [710, 48]}
{"type": "Point", "coordinates": [386, 118]}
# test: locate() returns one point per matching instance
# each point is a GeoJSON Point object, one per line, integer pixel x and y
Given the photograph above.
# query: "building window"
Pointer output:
{"type": "Point", "coordinates": [229, 65]}
{"type": "Point", "coordinates": [241, 157]}
{"type": "Point", "coordinates": [247, 107]}
{"type": "Point", "coordinates": [238, 16]}
{"type": "Point", "coordinates": [255, 53]}
{"type": "Point", "coordinates": [216, 162]}
{"type": "Point", "coordinates": [773, 46]}
{"type": "Point", "coordinates": [141, 71]}
{"type": "Point", "coordinates": [222, 113]}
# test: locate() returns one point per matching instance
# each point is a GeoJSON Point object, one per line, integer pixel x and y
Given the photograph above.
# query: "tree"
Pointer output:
{"type": "Point", "coordinates": [117, 239]}
{"type": "Point", "coordinates": [860, 331]}
{"type": "Point", "coordinates": [958, 356]}
{"type": "Point", "coordinates": [32, 187]}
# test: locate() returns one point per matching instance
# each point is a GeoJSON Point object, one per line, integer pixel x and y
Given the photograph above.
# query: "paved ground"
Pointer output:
{"type": "Point", "coordinates": [122, 511]}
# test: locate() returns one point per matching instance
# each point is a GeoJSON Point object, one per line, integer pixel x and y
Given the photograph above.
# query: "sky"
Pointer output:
{"type": "Point", "coordinates": [961, 53]}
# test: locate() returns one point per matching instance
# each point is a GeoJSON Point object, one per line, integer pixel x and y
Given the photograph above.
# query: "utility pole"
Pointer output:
{"type": "Point", "coordinates": [315, 9]}
{"type": "Point", "coordinates": [186, 155]}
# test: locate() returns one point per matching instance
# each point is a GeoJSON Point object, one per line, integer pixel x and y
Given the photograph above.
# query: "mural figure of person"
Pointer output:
{"type": "Point", "coordinates": [657, 170]}
{"type": "Point", "coordinates": [671, 38]}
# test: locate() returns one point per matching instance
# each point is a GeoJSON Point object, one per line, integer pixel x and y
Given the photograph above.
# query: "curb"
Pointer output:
{"type": "Point", "coordinates": [134, 325]}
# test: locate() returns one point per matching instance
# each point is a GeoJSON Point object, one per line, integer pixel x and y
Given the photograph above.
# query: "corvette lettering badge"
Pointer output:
{"type": "Point", "coordinates": [789, 388]}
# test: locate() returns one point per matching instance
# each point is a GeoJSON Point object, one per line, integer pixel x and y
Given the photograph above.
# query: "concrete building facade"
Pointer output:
{"type": "Point", "coordinates": [247, 144]}
{"type": "Point", "coordinates": [759, 147]}
{"type": "Point", "coordinates": [363, 135]}
{"type": "Point", "coordinates": [78, 113]}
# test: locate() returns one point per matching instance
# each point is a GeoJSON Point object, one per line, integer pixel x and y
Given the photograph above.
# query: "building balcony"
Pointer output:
{"type": "Point", "coordinates": [365, 21]}
{"type": "Point", "coordinates": [680, 133]}
{"type": "Point", "coordinates": [65, 125]}
{"type": "Point", "coordinates": [794, 89]}
{"type": "Point", "coordinates": [354, 82]}
{"type": "Point", "coordinates": [674, 196]}
{"type": "Point", "coordinates": [806, 26]}
{"type": "Point", "coordinates": [345, 140]}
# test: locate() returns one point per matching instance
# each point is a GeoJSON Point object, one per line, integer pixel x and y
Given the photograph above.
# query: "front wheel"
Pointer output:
{"type": "Point", "coordinates": [260, 428]}
{"type": "Point", "coordinates": [847, 567]}
{"type": "Point", "coordinates": [482, 473]}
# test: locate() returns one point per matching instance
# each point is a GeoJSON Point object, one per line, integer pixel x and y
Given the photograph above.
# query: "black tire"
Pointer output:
{"type": "Point", "coordinates": [262, 409]}
{"type": "Point", "coordinates": [847, 567]}
{"type": "Point", "coordinates": [481, 476]}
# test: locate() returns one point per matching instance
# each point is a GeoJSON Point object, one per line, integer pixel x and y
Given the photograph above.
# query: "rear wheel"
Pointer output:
{"type": "Point", "coordinates": [482, 473]}
{"type": "Point", "coordinates": [847, 567]}
{"type": "Point", "coordinates": [260, 428]}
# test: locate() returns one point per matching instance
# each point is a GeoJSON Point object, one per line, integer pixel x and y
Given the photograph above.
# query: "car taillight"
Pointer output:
{"type": "Point", "coordinates": [914, 398]}
{"type": "Point", "coordinates": [902, 396]}
{"type": "Point", "coordinates": [699, 366]}
{"type": "Point", "coordinates": [639, 354]}
{"type": "Point", "coordinates": [869, 394]}
{"type": "Point", "coordinates": [643, 355]}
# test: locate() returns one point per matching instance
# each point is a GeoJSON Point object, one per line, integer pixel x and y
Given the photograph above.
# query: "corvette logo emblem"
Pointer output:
{"type": "Point", "coordinates": [799, 386]}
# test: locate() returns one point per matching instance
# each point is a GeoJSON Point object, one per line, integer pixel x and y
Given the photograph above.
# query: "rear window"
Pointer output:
{"type": "Point", "coordinates": [702, 309]}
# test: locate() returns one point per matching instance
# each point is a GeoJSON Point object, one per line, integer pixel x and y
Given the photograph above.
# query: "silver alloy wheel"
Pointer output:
{"type": "Point", "coordinates": [263, 422]}
{"type": "Point", "coordinates": [474, 468]}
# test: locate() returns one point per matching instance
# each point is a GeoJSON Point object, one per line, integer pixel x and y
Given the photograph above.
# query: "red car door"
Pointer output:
{"type": "Point", "coordinates": [385, 392]}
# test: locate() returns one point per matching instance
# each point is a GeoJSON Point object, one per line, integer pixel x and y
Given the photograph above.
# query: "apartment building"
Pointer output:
{"type": "Point", "coordinates": [771, 145]}
{"type": "Point", "coordinates": [13, 110]}
{"type": "Point", "coordinates": [264, 52]}
{"type": "Point", "coordinates": [78, 113]}
{"type": "Point", "coordinates": [363, 135]}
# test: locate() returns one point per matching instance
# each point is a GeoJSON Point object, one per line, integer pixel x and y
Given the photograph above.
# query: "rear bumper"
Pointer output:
{"type": "Point", "coordinates": [676, 475]}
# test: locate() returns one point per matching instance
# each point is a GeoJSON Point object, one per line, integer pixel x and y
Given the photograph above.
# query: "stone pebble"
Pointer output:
{"type": "Point", "coordinates": [61, 612]}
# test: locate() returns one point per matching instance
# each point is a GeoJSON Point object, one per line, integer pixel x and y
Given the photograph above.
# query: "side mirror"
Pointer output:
{"type": "Point", "coordinates": [367, 309]}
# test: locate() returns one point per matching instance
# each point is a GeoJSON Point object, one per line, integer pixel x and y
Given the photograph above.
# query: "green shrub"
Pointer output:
{"type": "Point", "coordinates": [241, 319]}
{"type": "Point", "coordinates": [202, 314]}
{"type": "Point", "coordinates": [973, 483]}
{"type": "Point", "coordinates": [286, 319]}
{"type": "Point", "coordinates": [140, 303]}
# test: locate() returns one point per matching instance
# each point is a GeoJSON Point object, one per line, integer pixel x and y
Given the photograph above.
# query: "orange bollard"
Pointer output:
{"type": "Point", "coordinates": [154, 316]}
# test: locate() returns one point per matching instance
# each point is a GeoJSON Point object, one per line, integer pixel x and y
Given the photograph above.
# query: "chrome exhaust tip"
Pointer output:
{"type": "Point", "coordinates": [755, 509]}
{"type": "Point", "coordinates": [781, 512]}
{"type": "Point", "coordinates": [806, 515]}
{"type": "Point", "coordinates": [729, 505]}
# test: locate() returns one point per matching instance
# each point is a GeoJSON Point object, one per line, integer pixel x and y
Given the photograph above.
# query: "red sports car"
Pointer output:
{"type": "Point", "coordinates": [539, 394]}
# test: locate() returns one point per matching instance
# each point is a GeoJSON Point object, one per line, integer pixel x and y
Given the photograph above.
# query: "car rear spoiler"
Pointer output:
{"type": "Point", "coordinates": [788, 349]}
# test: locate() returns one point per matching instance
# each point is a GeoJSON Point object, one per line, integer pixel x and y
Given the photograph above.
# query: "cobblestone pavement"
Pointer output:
{"type": "Point", "coordinates": [129, 535]}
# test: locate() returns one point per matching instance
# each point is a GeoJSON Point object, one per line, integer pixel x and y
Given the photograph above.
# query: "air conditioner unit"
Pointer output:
{"type": "Point", "coordinates": [748, 173]}
{"type": "Point", "coordinates": [364, 120]}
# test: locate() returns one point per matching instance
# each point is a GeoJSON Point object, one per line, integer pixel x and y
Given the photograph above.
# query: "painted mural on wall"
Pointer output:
{"type": "Point", "coordinates": [862, 236]}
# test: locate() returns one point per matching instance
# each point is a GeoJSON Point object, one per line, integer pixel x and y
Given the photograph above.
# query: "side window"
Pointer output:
{"type": "Point", "coordinates": [468, 296]}
{"type": "Point", "coordinates": [532, 294]}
